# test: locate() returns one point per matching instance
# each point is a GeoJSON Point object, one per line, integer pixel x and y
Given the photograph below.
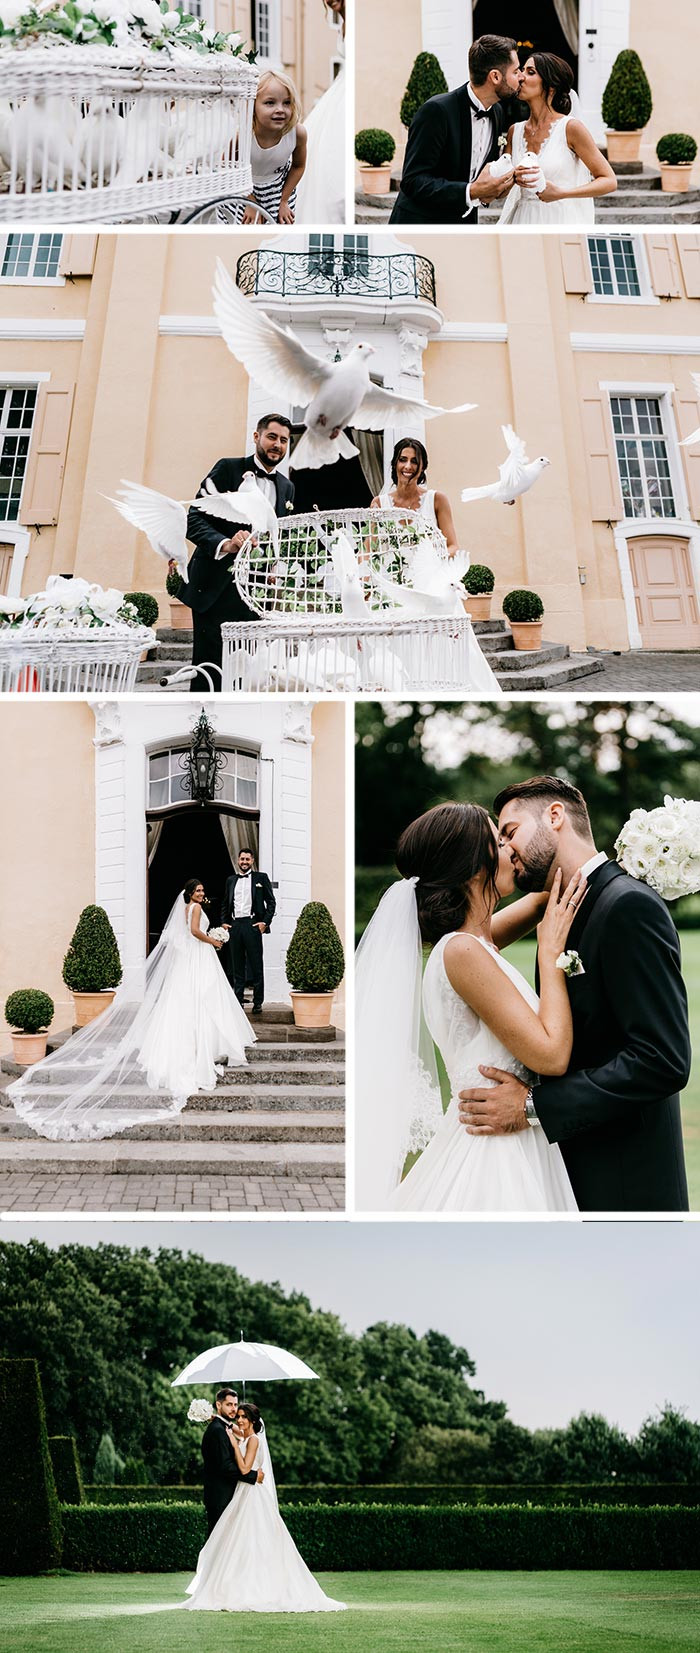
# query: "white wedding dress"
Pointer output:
{"type": "Point", "coordinates": [561, 167]}
{"type": "Point", "coordinates": [140, 1060]}
{"type": "Point", "coordinates": [321, 191]}
{"type": "Point", "coordinates": [250, 1563]}
{"type": "Point", "coordinates": [458, 1172]}
{"type": "Point", "coordinates": [480, 677]}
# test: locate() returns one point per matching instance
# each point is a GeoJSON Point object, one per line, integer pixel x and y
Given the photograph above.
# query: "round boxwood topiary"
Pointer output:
{"type": "Point", "coordinates": [677, 149]}
{"type": "Point", "coordinates": [627, 101]}
{"type": "Point", "coordinates": [374, 146]}
{"type": "Point", "coordinates": [426, 80]}
{"type": "Point", "coordinates": [523, 606]}
{"type": "Point", "coordinates": [315, 962]}
{"type": "Point", "coordinates": [28, 1010]}
{"type": "Point", "coordinates": [92, 962]}
{"type": "Point", "coordinates": [145, 605]}
{"type": "Point", "coordinates": [478, 580]}
{"type": "Point", "coordinates": [174, 584]}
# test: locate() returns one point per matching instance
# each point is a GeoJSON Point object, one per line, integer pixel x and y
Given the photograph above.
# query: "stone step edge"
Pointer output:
{"type": "Point", "coordinates": [159, 1159]}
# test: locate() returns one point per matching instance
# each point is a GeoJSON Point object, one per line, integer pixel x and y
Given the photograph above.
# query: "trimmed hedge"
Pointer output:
{"type": "Point", "coordinates": [66, 1469]}
{"type": "Point", "coordinates": [343, 1538]}
{"type": "Point", "coordinates": [545, 1496]}
{"type": "Point", "coordinates": [92, 962]}
{"type": "Point", "coordinates": [30, 1517]}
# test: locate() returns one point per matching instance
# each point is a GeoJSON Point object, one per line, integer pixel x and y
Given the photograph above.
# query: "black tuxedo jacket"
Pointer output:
{"type": "Point", "coordinates": [263, 904]}
{"type": "Point", "coordinates": [438, 160]}
{"type": "Point", "coordinates": [221, 1472]}
{"type": "Point", "coordinates": [207, 576]}
{"type": "Point", "coordinates": [616, 1113]}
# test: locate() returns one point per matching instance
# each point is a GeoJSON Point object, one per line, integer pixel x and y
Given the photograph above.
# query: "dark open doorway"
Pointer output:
{"type": "Point", "coordinates": [536, 22]}
{"type": "Point", "coordinates": [190, 843]}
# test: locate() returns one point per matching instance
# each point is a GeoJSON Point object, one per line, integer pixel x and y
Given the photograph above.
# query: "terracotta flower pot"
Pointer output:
{"type": "Point", "coordinates": [479, 607]}
{"type": "Point", "coordinates": [180, 616]}
{"type": "Point", "coordinates": [623, 146]}
{"type": "Point", "coordinates": [28, 1048]}
{"type": "Point", "coordinates": [675, 176]}
{"type": "Point", "coordinates": [376, 180]}
{"type": "Point", "coordinates": [90, 1005]}
{"type": "Point", "coordinates": [527, 634]}
{"type": "Point", "coordinates": [312, 1009]}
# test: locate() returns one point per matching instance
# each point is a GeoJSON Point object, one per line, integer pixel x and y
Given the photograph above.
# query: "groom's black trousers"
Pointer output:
{"type": "Point", "coordinates": [208, 645]}
{"type": "Point", "coordinates": [247, 947]}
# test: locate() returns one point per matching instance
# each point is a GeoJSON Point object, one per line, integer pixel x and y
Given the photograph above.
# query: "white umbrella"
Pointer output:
{"type": "Point", "coordinates": [245, 1363]}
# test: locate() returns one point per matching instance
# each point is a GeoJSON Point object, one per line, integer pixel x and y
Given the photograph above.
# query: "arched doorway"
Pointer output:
{"type": "Point", "coordinates": [547, 24]}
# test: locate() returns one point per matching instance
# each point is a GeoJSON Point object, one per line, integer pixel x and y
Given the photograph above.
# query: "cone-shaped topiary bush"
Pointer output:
{"type": "Point", "coordinates": [31, 1537]}
{"type": "Point", "coordinates": [107, 1463]}
{"type": "Point", "coordinates": [425, 81]}
{"type": "Point", "coordinates": [315, 962]}
{"type": "Point", "coordinates": [92, 962]}
{"type": "Point", "coordinates": [479, 579]}
{"type": "Point", "coordinates": [374, 146]}
{"type": "Point", "coordinates": [145, 605]}
{"type": "Point", "coordinates": [522, 606]}
{"type": "Point", "coordinates": [29, 1010]}
{"type": "Point", "coordinates": [677, 148]}
{"type": "Point", "coordinates": [627, 101]}
{"type": "Point", "coordinates": [66, 1469]}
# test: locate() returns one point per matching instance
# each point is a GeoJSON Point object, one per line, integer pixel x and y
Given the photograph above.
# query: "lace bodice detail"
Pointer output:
{"type": "Point", "coordinates": [426, 508]}
{"type": "Point", "coordinates": [558, 162]}
{"type": "Point", "coordinates": [464, 1041]}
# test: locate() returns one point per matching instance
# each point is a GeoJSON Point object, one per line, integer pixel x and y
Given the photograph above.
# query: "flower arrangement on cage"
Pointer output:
{"type": "Point", "coordinates": [145, 24]}
{"type": "Point", "coordinates": [72, 606]}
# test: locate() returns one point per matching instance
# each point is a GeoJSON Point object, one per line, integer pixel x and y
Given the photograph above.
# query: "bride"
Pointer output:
{"type": "Point", "coordinates": [558, 143]}
{"type": "Point", "coordinates": [321, 191]}
{"type": "Point", "coordinates": [140, 1060]}
{"type": "Point", "coordinates": [250, 1563]}
{"type": "Point", "coordinates": [474, 1005]}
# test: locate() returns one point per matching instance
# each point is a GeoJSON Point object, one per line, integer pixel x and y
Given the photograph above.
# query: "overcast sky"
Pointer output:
{"type": "Point", "coordinates": [559, 1317]}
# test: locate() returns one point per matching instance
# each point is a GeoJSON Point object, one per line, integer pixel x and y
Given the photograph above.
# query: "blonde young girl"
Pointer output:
{"type": "Point", "coordinates": [278, 151]}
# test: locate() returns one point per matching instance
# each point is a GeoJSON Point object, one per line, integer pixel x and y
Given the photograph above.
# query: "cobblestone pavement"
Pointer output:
{"type": "Point", "coordinates": [641, 673]}
{"type": "Point", "coordinates": [86, 1192]}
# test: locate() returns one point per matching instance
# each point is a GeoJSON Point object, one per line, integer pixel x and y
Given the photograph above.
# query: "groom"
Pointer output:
{"type": "Point", "coordinates": [248, 908]}
{"type": "Point", "coordinates": [221, 1472]}
{"type": "Point", "coordinates": [454, 136]}
{"type": "Point", "coordinates": [209, 589]}
{"type": "Point", "coordinates": [616, 1113]}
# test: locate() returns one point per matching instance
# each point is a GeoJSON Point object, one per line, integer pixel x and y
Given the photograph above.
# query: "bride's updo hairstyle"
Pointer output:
{"type": "Point", "coordinates": [252, 1413]}
{"type": "Point", "coordinates": [445, 849]}
{"type": "Point", "coordinates": [556, 76]}
{"type": "Point", "coordinates": [419, 450]}
{"type": "Point", "coordinates": [190, 887]}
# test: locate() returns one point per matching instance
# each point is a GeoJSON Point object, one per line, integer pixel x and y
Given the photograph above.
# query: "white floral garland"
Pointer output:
{"type": "Point", "coordinates": [71, 606]}
{"type": "Point", "coordinates": [155, 26]}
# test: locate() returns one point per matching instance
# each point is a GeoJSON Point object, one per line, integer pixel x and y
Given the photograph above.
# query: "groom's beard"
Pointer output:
{"type": "Point", "coordinates": [537, 864]}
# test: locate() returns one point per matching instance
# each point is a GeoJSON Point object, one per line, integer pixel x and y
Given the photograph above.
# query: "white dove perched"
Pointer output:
{"type": "Point", "coordinates": [517, 473]}
{"type": "Point", "coordinates": [436, 583]}
{"type": "Point", "coordinates": [334, 394]}
{"type": "Point", "coordinates": [347, 578]}
{"type": "Point", "coordinates": [695, 435]}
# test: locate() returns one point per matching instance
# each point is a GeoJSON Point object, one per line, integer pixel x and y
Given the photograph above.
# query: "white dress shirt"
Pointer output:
{"type": "Point", "coordinates": [243, 896]}
{"type": "Point", "coordinates": [266, 484]}
{"type": "Point", "coordinates": [482, 139]}
{"type": "Point", "coordinates": [593, 862]}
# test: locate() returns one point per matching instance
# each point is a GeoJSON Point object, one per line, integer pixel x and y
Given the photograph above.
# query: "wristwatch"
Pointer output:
{"type": "Point", "coordinates": [530, 1109]}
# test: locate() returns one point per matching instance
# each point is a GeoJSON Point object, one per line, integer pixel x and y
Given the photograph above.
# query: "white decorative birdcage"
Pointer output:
{"type": "Point", "coordinates": [291, 571]}
{"type": "Point", "coordinates": [93, 134]}
{"type": "Point", "coordinates": [302, 654]}
{"type": "Point", "coordinates": [53, 662]}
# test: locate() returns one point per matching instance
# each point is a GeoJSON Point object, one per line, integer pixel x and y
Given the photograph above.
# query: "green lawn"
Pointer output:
{"type": "Point", "coordinates": [522, 955]}
{"type": "Point", "coordinates": [473, 1612]}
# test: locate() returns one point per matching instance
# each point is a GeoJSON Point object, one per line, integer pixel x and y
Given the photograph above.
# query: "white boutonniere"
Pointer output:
{"type": "Point", "coordinates": [502, 144]}
{"type": "Point", "coordinates": [571, 963]}
{"type": "Point", "coordinates": [289, 504]}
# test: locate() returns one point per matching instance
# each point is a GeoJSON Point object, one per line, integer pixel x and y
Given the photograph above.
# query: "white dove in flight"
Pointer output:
{"type": "Point", "coordinates": [436, 583]}
{"type": "Point", "coordinates": [334, 394]}
{"type": "Point", "coordinates": [517, 473]}
{"type": "Point", "coordinates": [161, 519]}
{"type": "Point", "coordinates": [248, 504]}
{"type": "Point", "coordinates": [695, 435]}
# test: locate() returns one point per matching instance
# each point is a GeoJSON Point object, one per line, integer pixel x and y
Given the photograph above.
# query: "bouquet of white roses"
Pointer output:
{"type": "Point", "coordinates": [662, 847]}
{"type": "Point", "coordinates": [200, 1411]}
{"type": "Point", "coordinates": [219, 934]}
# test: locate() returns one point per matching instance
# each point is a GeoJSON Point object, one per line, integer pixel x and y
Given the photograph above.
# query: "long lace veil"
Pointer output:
{"type": "Point", "coordinates": [397, 1093]}
{"type": "Point", "coordinates": [265, 1463]}
{"type": "Point", "coordinates": [94, 1085]}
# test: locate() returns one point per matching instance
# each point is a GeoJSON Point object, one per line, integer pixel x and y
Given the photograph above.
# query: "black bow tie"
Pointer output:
{"type": "Point", "coordinates": [479, 114]}
{"type": "Point", "coordinates": [265, 475]}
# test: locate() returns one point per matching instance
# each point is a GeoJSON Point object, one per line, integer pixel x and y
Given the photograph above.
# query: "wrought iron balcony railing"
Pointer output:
{"type": "Point", "coordinates": [348, 272]}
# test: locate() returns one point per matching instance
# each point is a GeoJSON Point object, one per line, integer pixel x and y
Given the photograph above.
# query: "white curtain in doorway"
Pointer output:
{"type": "Point", "coordinates": [239, 834]}
{"type": "Point", "coordinates": [153, 832]}
{"type": "Point", "coordinates": [567, 13]}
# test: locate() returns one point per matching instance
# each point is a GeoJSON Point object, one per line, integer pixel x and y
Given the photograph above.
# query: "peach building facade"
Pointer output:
{"type": "Point", "coordinates": [590, 32]}
{"type": "Point", "coordinates": [296, 35]}
{"type": "Point", "coordinates": [114, 368]}
{"type": "Point", "coordinates": [95, 821]}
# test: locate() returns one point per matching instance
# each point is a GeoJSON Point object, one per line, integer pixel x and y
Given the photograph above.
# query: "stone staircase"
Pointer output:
{"type": "Point", "coordinates": [551, 667]}
{"type": "Point", "coordinates": [281, 1117]}
{"type": "Point", "coordinates": [639, 199]}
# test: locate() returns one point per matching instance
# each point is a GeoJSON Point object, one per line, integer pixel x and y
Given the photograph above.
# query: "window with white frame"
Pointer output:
{"type": "Point", "coordinates": [641, 446]}
{"type": "Point", "coordinates": [30, 257]}
{"type": "Point", "coordinates": [168, 782]}
{"type": "Point", "coordinates": [352, 251]}
{"type": "Point", "coordinates": [17, 409]}
{"type": "Point", "coordinates": [617, 267]}
{"type": "Point", "coordinates": [266, 29]}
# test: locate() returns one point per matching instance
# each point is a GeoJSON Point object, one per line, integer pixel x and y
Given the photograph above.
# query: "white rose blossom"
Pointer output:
{"type": "Point", "coordinates": [661, 847]}
{"type": "Point", "coordinates": [200, 1411]}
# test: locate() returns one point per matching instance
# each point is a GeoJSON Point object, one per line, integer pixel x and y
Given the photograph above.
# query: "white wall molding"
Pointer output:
{"type": "Point", "coordinates": [473, 332]}
{"type": "Point", "coordinates": [637, 344]}
{"type": "Point", "coordinates": [30, 327]}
